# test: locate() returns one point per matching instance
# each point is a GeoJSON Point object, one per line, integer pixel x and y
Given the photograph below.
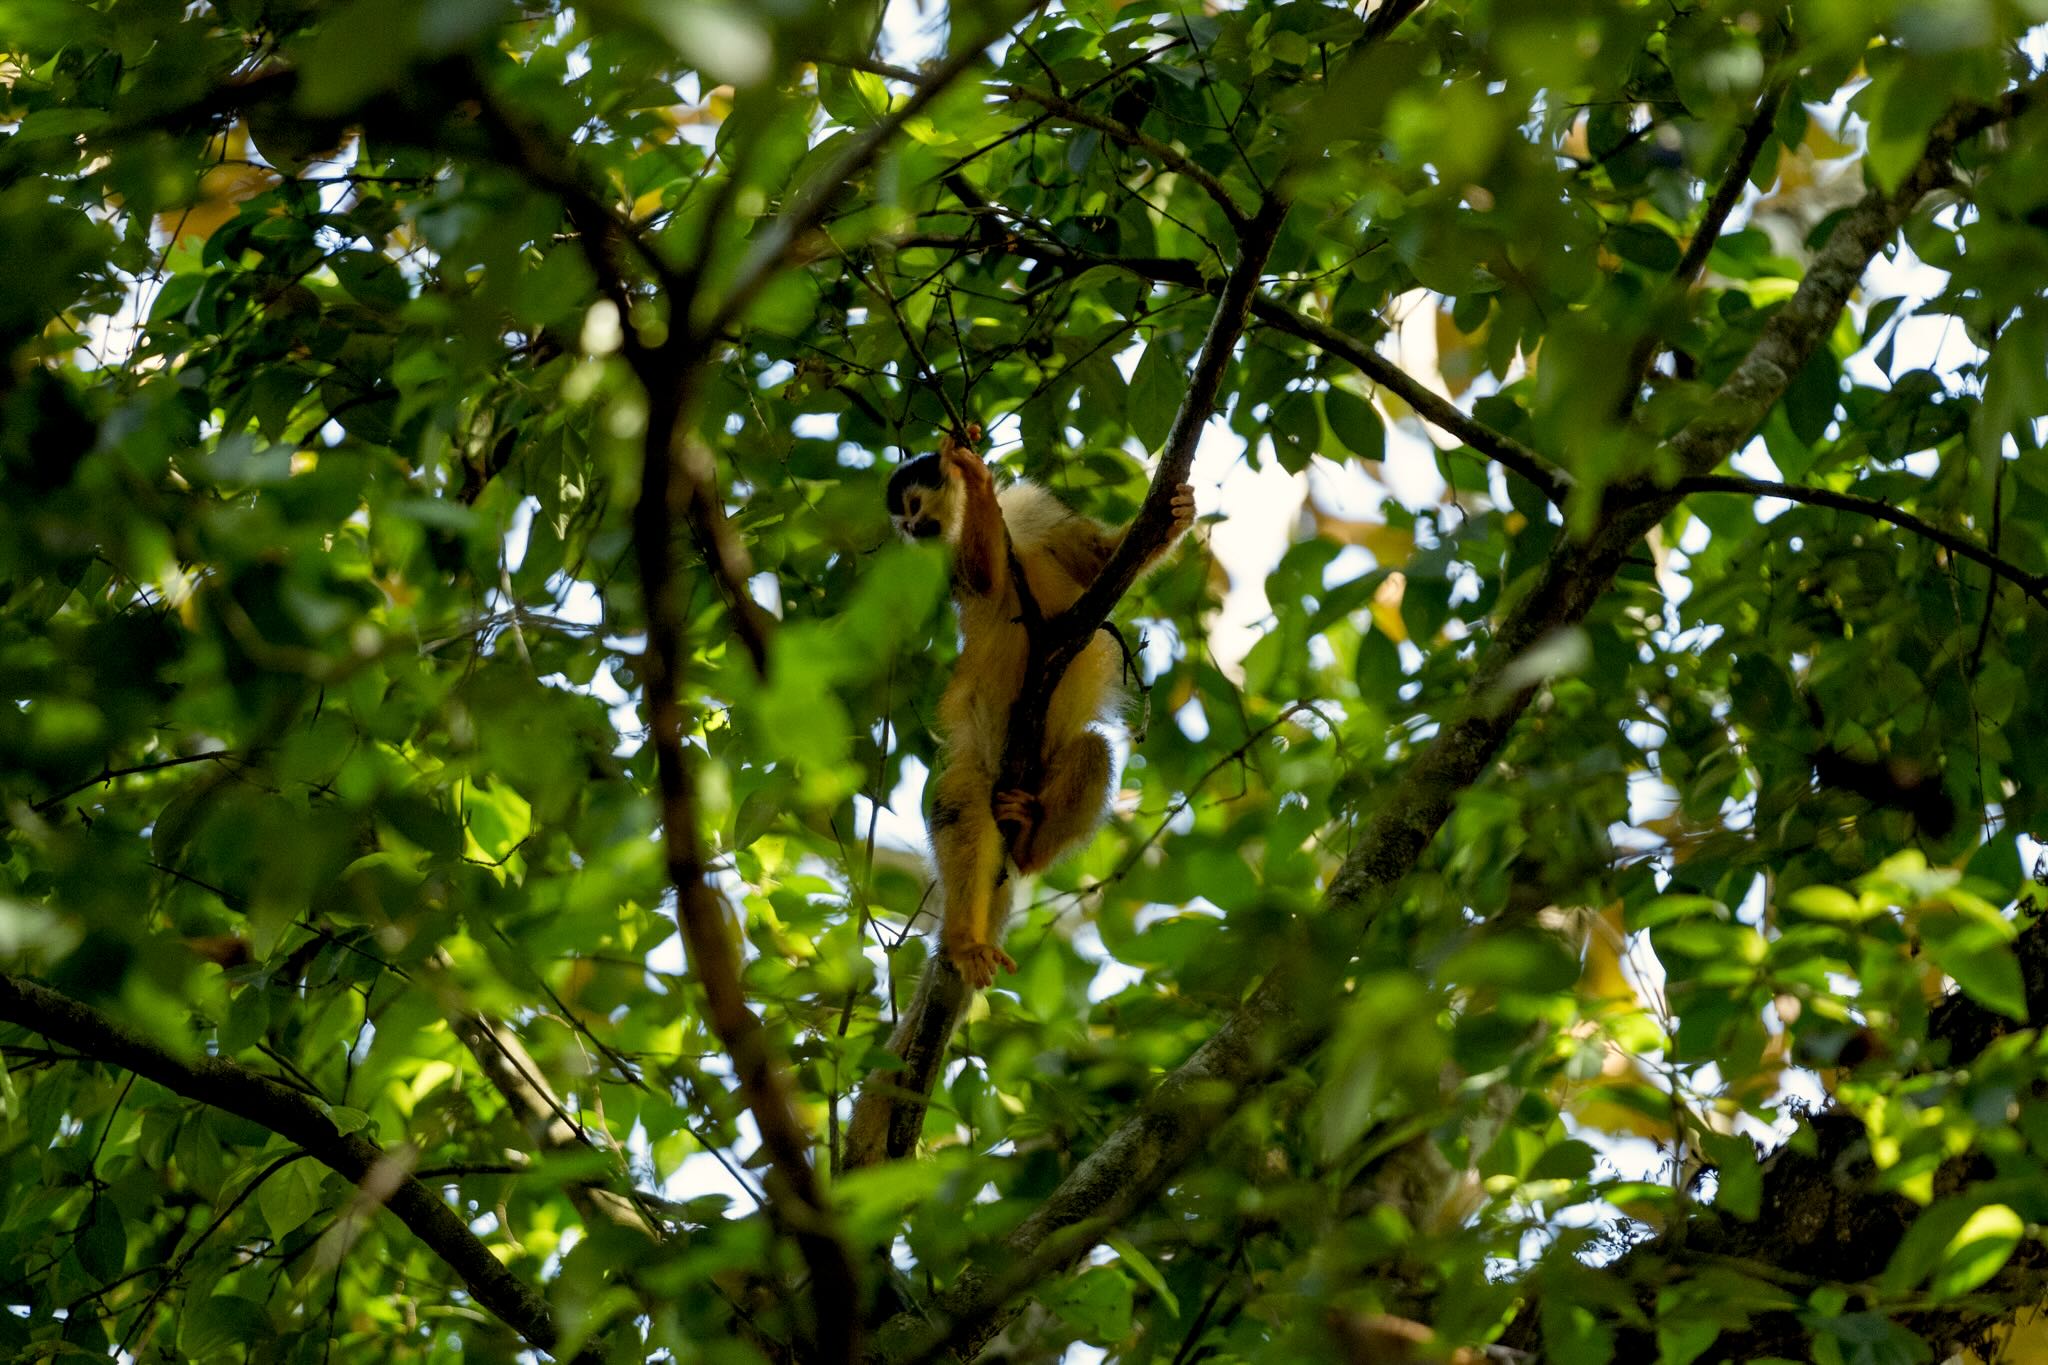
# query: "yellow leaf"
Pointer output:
{"type": "Point", "coordinates": [222, 192]}
{"type": "Point", "coordinates": [1606, 944]}
{"type": "Point", "coordinates": [1391, 546]}
{"type": "Point", "coordinates": [1824, 145]}
{"type": "Point", "coordinates": [1386, 609]}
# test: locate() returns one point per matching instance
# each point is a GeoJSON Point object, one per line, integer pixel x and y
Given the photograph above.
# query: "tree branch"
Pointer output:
{"type": "Point", "coordinates": [2033, 585]}
{"type": "Point", "coordinates": [1438, 411]}
{"type": "Point", "coordinates": [1066, 111]}
{"type": "Point", "coordinates": [602, 236]}
{"type": "Point", "coordinates": [1433, 407]}
{"type": "Point", "coordinates": [796, 1199]}
{"type": "Point", "coordinates": [1289, 1013]}
{"type": "Point", "coordinates": [106, 774]}
{"type": "Point", "coordinates": [809, 205]}
{"type": "Point", "coordinates": [519, 1081]}
{"type": "Point", "coordinates": [299, 1119]}
{"type": "Point", "coordinates": [669, 456]}
{"type": "Point", "coordinates": [1755, 134]}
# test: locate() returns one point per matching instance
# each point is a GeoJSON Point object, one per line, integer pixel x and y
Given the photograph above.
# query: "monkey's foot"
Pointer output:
{"type": "Point", "coordinates": [977, 962]}
{"type": "Point", "coordinates": [1022, 810]}
{"type": "Point", "coordinates": [1183, 507]}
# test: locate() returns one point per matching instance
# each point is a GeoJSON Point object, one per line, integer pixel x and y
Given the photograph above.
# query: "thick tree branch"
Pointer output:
{"type": "Point", "coordinates": [796, 1197]}
{"type": "Point", "coordinates": [1068, 632]}
{"type": "Point", "coordinates": [1289, 1012]}
{"type": "Point", "coordinates": [300, 1119]}
{"type": "Point", "coordinates": [2032, 584]}
{"type": "Point", "coordinates": [603, 237]}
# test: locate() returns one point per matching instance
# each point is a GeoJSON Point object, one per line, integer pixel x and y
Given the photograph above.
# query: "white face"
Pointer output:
{"type": "Point", "coordinates": [924, 513]}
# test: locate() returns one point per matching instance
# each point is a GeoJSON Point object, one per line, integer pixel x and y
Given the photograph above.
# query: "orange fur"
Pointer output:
{"type": "Point", "coordinates": [1059, 552]}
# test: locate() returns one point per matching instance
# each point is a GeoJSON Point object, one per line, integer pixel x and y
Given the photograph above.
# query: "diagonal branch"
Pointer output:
{"type": "Point", "coordinates": [302, 1120]}
{"type": "Point", "coordinates": [1074, 627]}
{"type": "Point", "coordinates": [107, 774]}
{"type": "Point", "coordinates": [676, 482]}
{"type": "Point", "coordinates": [2032, 584]}
{"type": "Point", "coordinates": [1066, 111]}
{"type": "Point", "coordinates": [1290, 1012]}
{"type": "Point", "coordinates": [785, 238]}
{"type": "Point", "coordinates": [1755, 134]}
{"type": "Point", "coordinates": [1435, 409]}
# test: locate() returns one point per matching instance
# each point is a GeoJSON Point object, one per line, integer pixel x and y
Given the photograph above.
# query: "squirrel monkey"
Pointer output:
{"type": "Point", "coordinates": [1024, 529]}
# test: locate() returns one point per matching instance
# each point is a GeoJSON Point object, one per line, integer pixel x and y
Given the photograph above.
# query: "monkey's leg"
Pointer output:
{"type": "Point", "coordinates": [969, 852]}
{"type": "Point", "coordinates": [1067, 806]}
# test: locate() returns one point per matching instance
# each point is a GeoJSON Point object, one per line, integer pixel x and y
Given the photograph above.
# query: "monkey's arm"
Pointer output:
{"type": "Point", "coordinates": [981, 557]}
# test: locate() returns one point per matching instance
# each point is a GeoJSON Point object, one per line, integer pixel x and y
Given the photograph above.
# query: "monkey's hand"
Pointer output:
{"type": "Point", "coordinates": [966, 465]}
{"type": "Point", "coordinates": [1183, 508]}
{"type": "Point", "coordinates": [977, 962]}
{"type": "Point", "coordinates": [1018, 815]}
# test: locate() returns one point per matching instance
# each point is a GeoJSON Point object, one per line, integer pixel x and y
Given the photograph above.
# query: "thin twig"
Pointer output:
{"type": "Point", "coordinates": [2032, 584]}
{"type": "Point", "coordinates": [49, 803]}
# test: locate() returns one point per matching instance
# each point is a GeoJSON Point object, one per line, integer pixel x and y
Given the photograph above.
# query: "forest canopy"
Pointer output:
{"type": "Point", "coordinates": [1572, 888]}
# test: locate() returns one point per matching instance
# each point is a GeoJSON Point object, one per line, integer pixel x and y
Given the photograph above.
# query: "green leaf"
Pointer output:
{"type": "Point", "coordinates": [1145, 1271]}
{"type": "Point", "coordinates": [1156, 388]}
{"type": "Point", "coordinates": [289, 1198]}
{"type": "Point", "coordinates": [1355, 423]}
{"type": "Point", "coordinates": [1908, 103]}
{"type": "Point", "coordinates": [1514, 960]}
{"type": "Point", "coordinates": [1980, 958]}
{"type": "Point", "coordinates": [1295, 431]}
{"type": "Point", "coordinates": [1646, 245]}
{"type": "Point", "coordinates": [220, 1323]}
{"type": "Point", "coordinates": [1979, 1250]}
{"type": "Point", "coordinates": [1096, 1303]}
{"type": "Point", "coordinates": [1831, 903]}
{"type": "Point", "coordinates": [103, 1242]}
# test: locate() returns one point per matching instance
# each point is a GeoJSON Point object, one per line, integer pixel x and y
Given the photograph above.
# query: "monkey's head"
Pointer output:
{"type": "Point", "coordinates": [924, 499]}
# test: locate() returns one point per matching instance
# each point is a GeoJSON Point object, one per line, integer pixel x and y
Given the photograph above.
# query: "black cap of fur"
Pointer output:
{"type": "Point", "coordinates": [926, 471]}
